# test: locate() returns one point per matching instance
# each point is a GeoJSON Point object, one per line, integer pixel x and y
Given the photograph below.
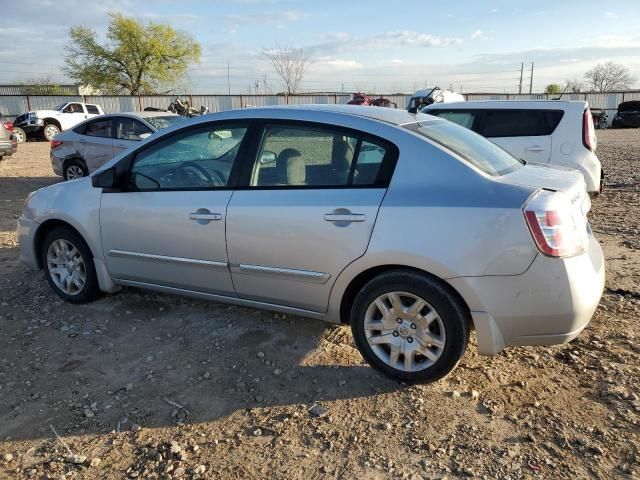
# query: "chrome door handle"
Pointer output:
{"type": "Point", "coordinates": [344, 217]}
{"type": "Point", "coordinates": [535, 148]}
{"type": "Point", "coordinates": [204, 216]}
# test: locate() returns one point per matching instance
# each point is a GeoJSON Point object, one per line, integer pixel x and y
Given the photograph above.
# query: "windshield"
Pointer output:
{"type": "Point", "coordinates": [164, 122]}
{"type": "Point", "coordinates": [474, 148]}
{"type": "Point", "coordinates": [60, 106]}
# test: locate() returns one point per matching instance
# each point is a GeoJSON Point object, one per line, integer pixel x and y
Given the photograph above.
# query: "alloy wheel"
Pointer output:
{"type": "Point", "coordinates": [404, 331]}
{"type": "Point", "coordinates": [66, 266]}
{"type": "Point", "coordinates": [74, 171]}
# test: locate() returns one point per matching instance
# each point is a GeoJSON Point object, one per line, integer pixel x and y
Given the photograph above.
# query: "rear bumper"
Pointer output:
{"type": "Point", "coordinates": [551, 303]}
{"type": "Point", "coordinates": [56, 163]}
{"type": "Point", "coordinates": [6, 148]}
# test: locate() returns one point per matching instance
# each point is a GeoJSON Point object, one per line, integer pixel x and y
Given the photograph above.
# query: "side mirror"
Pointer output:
{"type": "Point", "coordinates": [105, 179]}
{"type": "Point", "coordinates": [267, 157]}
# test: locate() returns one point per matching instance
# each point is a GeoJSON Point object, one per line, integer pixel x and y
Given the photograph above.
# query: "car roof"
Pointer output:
{"type": "Point", "coordinates": [140, 114]}
{"type": "Point", "coordinates": [394, 116]}
{"type": "Point", "coordinates": [510, 104]}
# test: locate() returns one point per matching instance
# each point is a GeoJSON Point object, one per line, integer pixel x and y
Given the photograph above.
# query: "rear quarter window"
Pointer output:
{"type": "Point", "coordinates": [519, 123]}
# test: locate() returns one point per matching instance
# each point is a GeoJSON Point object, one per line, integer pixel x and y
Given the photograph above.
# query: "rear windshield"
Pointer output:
{"type": "Point", "coordinates": [164, 122]}
{"type": "Point", "coordinates": [474, 148]}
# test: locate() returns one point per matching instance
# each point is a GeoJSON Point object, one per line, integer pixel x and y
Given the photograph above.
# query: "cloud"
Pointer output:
{"type": "Point", "coordinates": [478, 35]}
{"type": "Point", "coordinates": [235, 22]}
{"type": "Point", "coordinates": [610, 15]}
{"type": "Point", "coordinates": [337, 42]}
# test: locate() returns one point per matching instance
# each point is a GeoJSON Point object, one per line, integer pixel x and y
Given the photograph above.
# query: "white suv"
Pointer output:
{"type": "Point", "coordinates": [552, 131]}
{"type": "Point", "coordinates": [62, 117]}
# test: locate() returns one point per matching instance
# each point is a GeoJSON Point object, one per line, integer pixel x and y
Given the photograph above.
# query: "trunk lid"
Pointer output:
{"type": "Point", "coordinates": [556, 178]}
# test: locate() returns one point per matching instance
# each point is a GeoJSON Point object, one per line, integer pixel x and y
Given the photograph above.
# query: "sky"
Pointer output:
{"type": "Point", "coordinates": [374, 46]}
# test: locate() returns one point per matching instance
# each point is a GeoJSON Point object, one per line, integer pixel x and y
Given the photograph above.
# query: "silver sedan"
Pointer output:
{"type": "Point", "coordinates": [86, 147]}
{"type": "Point", "coordinates": [410, 229]}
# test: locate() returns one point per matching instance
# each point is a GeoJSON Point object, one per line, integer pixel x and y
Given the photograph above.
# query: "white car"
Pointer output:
{"type": "Point", "coordinates": [547, 131]}
{"type": "Point", "coordinates": [62, 117]}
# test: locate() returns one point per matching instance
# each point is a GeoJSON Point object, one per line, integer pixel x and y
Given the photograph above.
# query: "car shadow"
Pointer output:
{"type": "Point", "coordinates": [159, 360]}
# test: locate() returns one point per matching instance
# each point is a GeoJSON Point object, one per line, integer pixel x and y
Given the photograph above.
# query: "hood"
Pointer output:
{"type": "Point", "coordinates": [44, 113]}
{"type": "Point", "coordinates": [556, 178]}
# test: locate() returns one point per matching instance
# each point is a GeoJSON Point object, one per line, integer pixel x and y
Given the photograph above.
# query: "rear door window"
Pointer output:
{"type": "Point", "coordinates": [519, 123]}
{"type": "Point", "coordinates": [99, 128]}
{"type": "Point", "coordinates": [464, 118]}
{"type": "Point", "coordinates": [92, 109]}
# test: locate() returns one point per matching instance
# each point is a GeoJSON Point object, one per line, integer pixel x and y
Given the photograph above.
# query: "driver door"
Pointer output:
{"type": "Point", "coordinates": [168, 228]}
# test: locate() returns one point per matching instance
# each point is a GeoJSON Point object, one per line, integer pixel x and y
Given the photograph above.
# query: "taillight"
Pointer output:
{"type": "Point", "coordinates": [589, 138]}
{"type": "Point", "coordinates": [55, 143]}
{"type": "Point", "coordinates": [557, 228]}
{"type": "Point", "coordinates": [8, 126]}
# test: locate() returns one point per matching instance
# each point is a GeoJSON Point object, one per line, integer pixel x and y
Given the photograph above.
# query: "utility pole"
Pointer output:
{"type": "Point", "coordinates": [257, 87]}
{"type": "Point", "coordinates": [531, 80]}
{"type": "Point", "coordinates": [521, 75]}
{"type": "Point", "coordinates": [228, 80]}
{"type": "Point", "coordinates": [264, 79]}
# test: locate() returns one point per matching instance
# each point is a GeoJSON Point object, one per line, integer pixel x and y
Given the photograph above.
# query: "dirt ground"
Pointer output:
{"type": "Point", "coordinates": [144, 385]}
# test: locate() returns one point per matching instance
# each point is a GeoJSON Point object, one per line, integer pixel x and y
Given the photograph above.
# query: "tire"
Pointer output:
{"type": "Point", "coordinates": [49, 131]}
{"type": "Point", "coordinates": [20, 134]}
{"type": "Point", "coordinates": [74, 169]}
{"type": "Point", "coordinates": [61, 248]}
{"type": "Point", "coordinates": [440, 329]}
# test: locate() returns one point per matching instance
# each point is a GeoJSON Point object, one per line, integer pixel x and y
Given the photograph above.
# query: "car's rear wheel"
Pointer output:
{"type": "Point", "coordinates": [74, 169]}
{"type": "Point", "coordinates": [68, 265]}
{"type": "Point", "coordinates": [50, 130]}
{"type": "Point", "coordinates": [20, 134]}
{"type": "Point", "coordinates": [410, 326]}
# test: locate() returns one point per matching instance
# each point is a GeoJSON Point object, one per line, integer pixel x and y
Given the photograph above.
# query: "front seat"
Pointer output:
{"type": "Point", "coordinates": [290, 168]}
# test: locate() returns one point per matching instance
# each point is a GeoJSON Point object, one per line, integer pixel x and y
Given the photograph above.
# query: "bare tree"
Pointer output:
{"type": "Point", "coordinates": [609, 76]}
{"type": "Point", "coordinates": [290, 64]}
{"type": "Point", "coordinates": [573, 86]}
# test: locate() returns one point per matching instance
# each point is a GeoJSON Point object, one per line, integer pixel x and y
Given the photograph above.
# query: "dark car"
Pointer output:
{"type": "Point", "coordinates": [628, 115]}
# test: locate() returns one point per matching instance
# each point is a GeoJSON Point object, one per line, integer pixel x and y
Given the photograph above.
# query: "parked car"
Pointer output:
{"type": "Point", "coordinates": [8, 142]}
{"type": "Point", "coordinates": [628, 115]}
{"type": "Point", "coordinates": [79, 151]}
{"type": "Point", "coordinates": [600, 118]}
{"type": "Point", "coordinates": [551, 132]}
{"type": "Point", "coordinates": [422, 98]}
{"type": "Point", "coordinates": [409, 228]}
{"type": "Point", "coordinates": [51, 122]}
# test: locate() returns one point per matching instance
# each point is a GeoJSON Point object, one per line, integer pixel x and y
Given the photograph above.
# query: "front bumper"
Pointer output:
{"type": "Point", "coordinates": [26, 235]}
{"type": "Point", "coordinates": [551, 303]}
{"type": "Point", "coordinates": [31, 125]}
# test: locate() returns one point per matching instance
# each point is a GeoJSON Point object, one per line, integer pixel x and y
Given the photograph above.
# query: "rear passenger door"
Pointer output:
{"type": "Point", "coordinates": [95, 146]}
{"type": "Point", "coordinates": [304, 209]}
{"type": "Point", "coordinates": [526, 134]}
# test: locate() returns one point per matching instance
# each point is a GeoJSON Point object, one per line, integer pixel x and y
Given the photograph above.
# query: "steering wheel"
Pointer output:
{"type": "Point", "coordinates": [189, 171]}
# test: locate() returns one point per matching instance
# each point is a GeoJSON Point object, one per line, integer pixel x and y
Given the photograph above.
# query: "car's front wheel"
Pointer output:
{"type": "Point", "coordinates": [50, 130]}
{"type": "Point", "coordinates": [410, 326]}
{"type": "Point", "coordinates": [68, 265]}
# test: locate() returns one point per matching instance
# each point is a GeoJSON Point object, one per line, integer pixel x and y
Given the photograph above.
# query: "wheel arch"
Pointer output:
{"type": "Point", "coordinates": [362, 278]}
{"type": "Point", "coordinates": [47, 227]}
{"type": "Point", "coordinates": [52, 121]}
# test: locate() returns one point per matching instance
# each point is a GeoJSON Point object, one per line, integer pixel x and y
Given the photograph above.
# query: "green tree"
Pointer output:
{"type": "Point", "coordinates": [136, 58]}
{"type": "Point", "coordinates": [553, 88]}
